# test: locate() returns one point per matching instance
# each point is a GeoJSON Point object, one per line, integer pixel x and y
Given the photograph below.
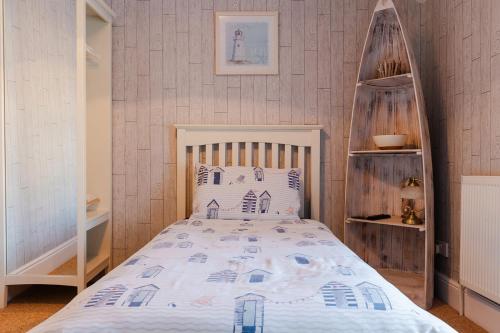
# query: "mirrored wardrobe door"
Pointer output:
{"type": "Point", "coordinates": [40, 110]}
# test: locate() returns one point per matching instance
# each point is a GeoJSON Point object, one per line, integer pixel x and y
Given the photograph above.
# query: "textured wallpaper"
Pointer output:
{"type": "Point", "coordinates": [40, 69]}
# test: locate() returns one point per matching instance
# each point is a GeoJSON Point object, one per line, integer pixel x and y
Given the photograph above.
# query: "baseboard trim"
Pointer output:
{"type": "Point", "coordinates": [449, 291]}
{"type": "Point", "coordinates": [475, 307]}
{"type": "Point", "coordinates": [482, 311]}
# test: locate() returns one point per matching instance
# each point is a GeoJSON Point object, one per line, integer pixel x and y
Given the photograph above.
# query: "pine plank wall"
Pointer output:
{"type": "Point", "coordinates": [163, 74]}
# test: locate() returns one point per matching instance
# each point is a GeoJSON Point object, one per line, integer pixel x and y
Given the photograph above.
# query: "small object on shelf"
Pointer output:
{"type": "Point", "coordinates": [92, 202]}
{"type": "Point", "coordinates": [388, 68]}
{"type": "Point", "coordinates": [378, 217]}
{"type": "Point", "coordinates": [395, 141]}
{"type": "Point", "coordinates": [410, 192]}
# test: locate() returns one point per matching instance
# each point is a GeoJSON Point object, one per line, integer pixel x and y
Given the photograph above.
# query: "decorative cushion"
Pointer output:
{"type": "Point", "coordinates": [246, 193]}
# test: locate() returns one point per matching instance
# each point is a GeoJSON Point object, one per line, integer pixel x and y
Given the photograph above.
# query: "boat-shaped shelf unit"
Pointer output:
{"type": "Point", "coordinates": [402, 253]}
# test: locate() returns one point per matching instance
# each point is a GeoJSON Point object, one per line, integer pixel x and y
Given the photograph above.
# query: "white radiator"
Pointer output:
{"type": "Point", "coordinates": [480, 235]}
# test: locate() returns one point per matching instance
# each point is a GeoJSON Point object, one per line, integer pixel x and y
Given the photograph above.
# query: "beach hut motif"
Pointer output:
{"type": "Point", "coordinates": [327, 242]}
{"type": "Point", "coordinates": [253, 238]}
{"type": "Point", "coordinates": [309, 235]}
{"type": "Point", "coordinates": [300, 258]}
{"type": "Point", "coordinates": [217, 175]}
{"type": "Point", "coordinates": [293, 180]}
{"type": "Point", "coordinates": [182, 235]}
{"type": "Point", "coordinates": [249, 202]}
{"type": "Point", "coordinates": [280, 229]}
{"type": "Point", "coordinates": [185, 245]}
{"type": "Point", "coordinates": [256, 276]}
{"type": "Point", "coordinates": [197, 223]}
{"type": "Point", "coordinates": [212, 210]}
{"type": "Point", "coordinates": [141, 296]}
{"type": "Point", "coordinates": [342, 270]}
{"type": "Point", "coordinates": [151, 272]}
{"type": "Point", "coordinates": [338, 295]}
{"type": "Point", "coordinates": [162, 245]}
{"type": "Point", "coordinates": [300, 221]}
{"type": "Point", "coordinates": [136, 260]}
{"type": "Point", "coordinates": [249, 314]}
{"type": "Point", "coordinates": [305, 243]}
{"type": "Point", "coordinates": [107, 296]}
{"type": "Point", "coordinates": [225, 276]}
{"type": "Point", "coordinates": [264, 202]}
{"type": "Point", "coordinates": [375, 298]}
{"type": "Point", "coordinates": [259, 174]}
{"type": "Point", "coordinates": [229, 238]}
{"type": "Point", "coordinates": [252, 249]}
{"type": "Point", "coordinates": [202, 175]}
{"type": "Point", "coordinates": [208, 231]}
{"type": "Point", "coordinates": [199, 258]}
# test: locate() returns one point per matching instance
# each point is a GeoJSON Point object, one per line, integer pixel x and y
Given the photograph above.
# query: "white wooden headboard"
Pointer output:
{"type": "Point", "coordinates": [250, 145]}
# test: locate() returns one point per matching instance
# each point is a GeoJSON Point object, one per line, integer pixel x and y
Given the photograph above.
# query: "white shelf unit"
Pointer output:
{"type": "Point", "coordinates": [79, 259]}
{"type": "Point", "coordinates": [94, 20]}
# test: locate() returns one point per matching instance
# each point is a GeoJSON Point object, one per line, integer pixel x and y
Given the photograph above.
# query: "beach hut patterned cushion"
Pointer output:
{"type": "Point", "coordinates": [246, 193]}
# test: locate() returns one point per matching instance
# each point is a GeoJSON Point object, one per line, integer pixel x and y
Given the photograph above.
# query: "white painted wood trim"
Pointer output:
{"type": "Point", "coordinates": [482, 311]}
{"type": "Point", "coordinates": [235, 159]}
{"type": "Point", "coordinates": [302, 164]}
{"type": "Point", "coordinates": [3, 233]}
{"type": "Point", "coordinates": [209, 154]}
{"type": "Point", "coordinates": [102, 10]}
{"type": "Point", "coordinates": [47, 262]}
{"type": "Point", "coordinates": [302, 136]}
{"type": "Point", "coordinates": [288, 156]}
{"type": "Point", "coordinates": [262, 154]}
{"type": "Point", "coordinates": [248, 154]}
{"type": "Point", "coordinates": [275, 155]}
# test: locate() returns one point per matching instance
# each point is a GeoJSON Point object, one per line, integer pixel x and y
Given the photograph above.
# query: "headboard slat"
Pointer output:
{"type": "Point", "coordinates": [248, 154]}
{"type": "Point", "coordinates": [222, 154]}
{"type": "Point", "coordinates": [235, 160]}
{"type": "Point", "coordinates": [262, 154]}
{"type": "Point", "coordinates": [301, 136]}
{"type": "Point", "coordinates": [288, 156]}
{"type": "Point", "coordinates": [275, 155]}
{"type": "Point", "coordinates": [209, 154]}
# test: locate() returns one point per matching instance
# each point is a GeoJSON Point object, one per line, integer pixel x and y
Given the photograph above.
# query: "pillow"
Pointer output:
{"type": "Point", "coordinates": [246, 193]}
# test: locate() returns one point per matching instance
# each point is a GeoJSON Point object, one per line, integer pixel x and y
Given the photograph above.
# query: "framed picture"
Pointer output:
{"type": "Point", "coordinates": [246, 43]}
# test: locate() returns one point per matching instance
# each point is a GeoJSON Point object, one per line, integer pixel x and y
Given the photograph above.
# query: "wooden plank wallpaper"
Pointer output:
{"type": "Point", "coordinates": [40, 77]}
{"type": "Point", "coordinates": [163, 74]}
{"type": "Point", "coordinates": [461, 81]}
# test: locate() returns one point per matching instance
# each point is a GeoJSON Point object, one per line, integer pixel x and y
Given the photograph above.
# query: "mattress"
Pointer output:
{"type": "Point", "coordinates": [244, 277]}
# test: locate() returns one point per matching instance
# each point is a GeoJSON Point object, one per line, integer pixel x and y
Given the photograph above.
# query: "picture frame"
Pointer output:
{"type": "Point", "coordinates": [246, 43]}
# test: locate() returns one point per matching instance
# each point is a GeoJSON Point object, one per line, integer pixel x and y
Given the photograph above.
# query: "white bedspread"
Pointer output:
{"type": "Point", "coordinates": [243, 276]}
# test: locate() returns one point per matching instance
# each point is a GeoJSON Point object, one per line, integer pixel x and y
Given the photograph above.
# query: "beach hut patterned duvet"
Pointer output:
{"type": "Point", "coordinates": [272, 284]}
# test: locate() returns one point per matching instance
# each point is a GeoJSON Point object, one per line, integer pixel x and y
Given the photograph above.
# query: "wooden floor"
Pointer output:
{"type": "Point", "coordinates": [40, 302]}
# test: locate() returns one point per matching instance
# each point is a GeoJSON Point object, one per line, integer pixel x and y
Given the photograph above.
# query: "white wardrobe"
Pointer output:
{"type": "Point", "coordinates": [55, 142]}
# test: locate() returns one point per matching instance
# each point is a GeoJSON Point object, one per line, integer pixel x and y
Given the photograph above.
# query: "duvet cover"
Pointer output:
{"type": "Point", "coordinates": [242, 276]}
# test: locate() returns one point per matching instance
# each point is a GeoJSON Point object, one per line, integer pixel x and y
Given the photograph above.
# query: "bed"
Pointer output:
{"type": "Point", "coordinates": [244, 275]}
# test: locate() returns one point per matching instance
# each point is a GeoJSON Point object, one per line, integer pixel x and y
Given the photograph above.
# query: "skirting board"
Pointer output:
{"type": "Point", "coordinates": [449, 291]}
{"type": "Point", "coordinates": [477, 308]}
{"type": "Point", "coordinates": [482, 311]}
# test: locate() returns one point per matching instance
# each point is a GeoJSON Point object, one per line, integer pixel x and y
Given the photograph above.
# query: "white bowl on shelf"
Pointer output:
{"type": "Point", "coordinates": [385, 142]}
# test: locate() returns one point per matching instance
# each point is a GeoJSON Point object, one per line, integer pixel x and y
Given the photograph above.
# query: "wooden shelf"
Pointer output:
{"type": "Point", "coordinates": [394, 221]}
{"type": "Point", "coordinates": [389, 82]}
{"type": "Point", "coordinates": [97, 217]}
{"type": "Point", "coordinates": [386, 152]}
{"type": "Point", "coordinates": [409, 283]}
